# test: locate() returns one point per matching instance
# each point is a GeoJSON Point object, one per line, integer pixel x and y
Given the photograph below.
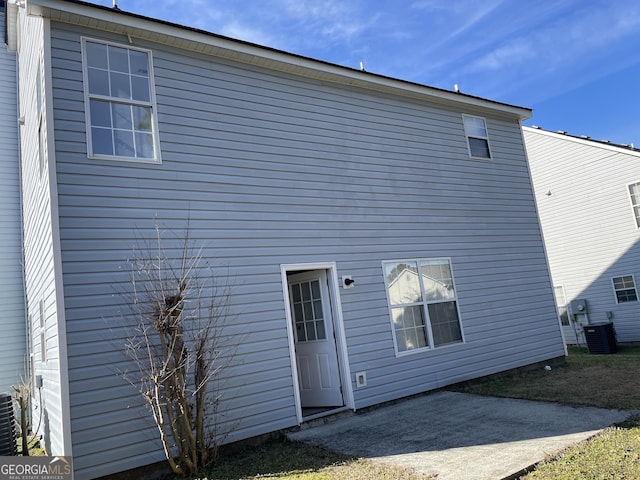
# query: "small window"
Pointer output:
{"type": "Point", "coordinates": [561, 302]}
{"type": "Point", "coordinates": [477, 139]}
{"type": "Point", "coordinates": [423, 304]}
{"type": "Point", "coordinates": [625, 289]}
{"type": "Point", "coordinates": [120, 110]}
{"type": "Point", "coordinates": [634, 192]}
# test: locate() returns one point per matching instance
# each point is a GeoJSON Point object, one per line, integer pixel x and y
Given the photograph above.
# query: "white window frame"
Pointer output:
{"type": "Point", "coordinates": [615, 290]}
{"type": "Point", "coordinates": [561, 304]}
{"type": "Point", "coordinates": [424, 303]}
{"type": "Point", "coordinates": [635, 207]}
{"type": "Point", "coordinates": [473, 135]}
{"type": "Point", "coordinates": [152, 104]}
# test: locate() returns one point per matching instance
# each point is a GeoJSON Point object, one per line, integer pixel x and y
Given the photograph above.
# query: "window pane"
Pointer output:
{"type": "Point", "coordinates": [96, 55]}
{"type": "Point", "coordinates": [295, 292]}
{"type": "Point", "coordinates": [627, 296]}
{"type": "Point", "coordinates": [437, 280]}
{"type": "Point", "coordinates": [479, 147]}
{"type": "Point", "coordinates": [101, 141]}
{"type": "Point", "coordinates": [311, 332]}
{"type": "Point", "coordinates": [120, 85]}
{"type": "Point", "coordinates": [408, 323]}
{"type": "Point", "coordinates": [306, 291]}
{"type": "Point", "coordinates": [139, 63]}
{"type": "Point", "coordinates": [317, 310]}
{"type": "Point", "coordinates": [118, 59]}
{"type": "Point", "coordinates": [98, 82]}
{"type": "Point", "coordinates": [445, 324]}
{"type": "Point", "coordinates": [100, 114]}
{"type": "Point", "coordinates": [322, 334]}
{"type": "Point", "coordinates": [121, 116]}
{"type": "Point", "coordinates": [475, 127]}
{"type": "Point", "coordinates": [123, 141]}
{"type": "Point", "coordinates": [140, 89]}
{"type": "Point", "coordinates": [402, 283]}
{"type": "Point", "coordinates": [308, 311]}
{"type": "Point", "coordinates": [300, 333]}
{"type": "Point", "coordinates": [144, 145]}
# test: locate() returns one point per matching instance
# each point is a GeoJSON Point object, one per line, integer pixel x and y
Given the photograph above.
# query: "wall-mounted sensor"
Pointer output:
{"type": "Point", "coordinates": [348, 281]}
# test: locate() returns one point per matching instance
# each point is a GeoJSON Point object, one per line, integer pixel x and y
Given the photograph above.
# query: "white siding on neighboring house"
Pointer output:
{"type": "Point", "coordinates": [13, 354]}
{"type": "Point", "coordinates": [274, 169]}
{"type": "Point", "coordinates": [39, 224]}
{"type": "Point", "coordinates": [589, 227]}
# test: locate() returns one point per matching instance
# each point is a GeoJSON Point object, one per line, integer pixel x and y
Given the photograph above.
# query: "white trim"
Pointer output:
{"type": "Point", "coordinates": [63, 361]}
{"type": "Point", "coordinates": [157, 159]}
{"type": "Point", "coordinates": [338, 327]}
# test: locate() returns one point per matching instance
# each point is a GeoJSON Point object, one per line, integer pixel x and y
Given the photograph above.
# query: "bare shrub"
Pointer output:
{"type": "Point", "coordinates": [179, 307]}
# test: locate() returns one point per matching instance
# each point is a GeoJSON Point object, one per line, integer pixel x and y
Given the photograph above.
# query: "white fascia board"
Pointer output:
{"type": "Point", "coordinates": [590, 142]}
{"type": "Point", "coordinates": [179, 36]}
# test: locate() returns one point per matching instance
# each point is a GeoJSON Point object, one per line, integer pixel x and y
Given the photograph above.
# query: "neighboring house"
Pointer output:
{"type": "Point", "coordinates": [297, 176]}
{"type": "Point", "coordinates": [13, 336]}
{"type": "Point", "coordinates": [588, 195]}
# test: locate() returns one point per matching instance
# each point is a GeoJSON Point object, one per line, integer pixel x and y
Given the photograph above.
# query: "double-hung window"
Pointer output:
{"type": "Point", "coordinates": [422, 303]}
{"type": "Point", "coordinates": [120, 107]}
{"type": "Point", "coordinates": [625, 289]}
{"type": "Point", "coordinates": [475, 129]}
{"type": "Point", "coordinates": [634, 192]}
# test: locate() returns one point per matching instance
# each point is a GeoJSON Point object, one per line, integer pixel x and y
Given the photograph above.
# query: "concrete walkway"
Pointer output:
{"type": "Point", "coordinates": [458, 436]}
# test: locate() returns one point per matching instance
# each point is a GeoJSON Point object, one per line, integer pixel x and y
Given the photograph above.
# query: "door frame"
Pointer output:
{"type": "Point", "coordinates": [338, 327]}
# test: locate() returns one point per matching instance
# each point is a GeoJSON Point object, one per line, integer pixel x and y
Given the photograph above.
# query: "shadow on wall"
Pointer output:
{"type": "Point", "coordinates": [619, 304]}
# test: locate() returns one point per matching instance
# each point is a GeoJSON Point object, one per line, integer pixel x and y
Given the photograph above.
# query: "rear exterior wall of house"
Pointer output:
{"type": "Point", "coordinates": [271, 169]}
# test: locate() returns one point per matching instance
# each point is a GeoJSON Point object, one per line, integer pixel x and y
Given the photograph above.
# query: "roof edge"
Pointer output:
{"type": "Point", "coordinates": [136, 25]}
{"type": "Point", "coordinates": [585, 140]}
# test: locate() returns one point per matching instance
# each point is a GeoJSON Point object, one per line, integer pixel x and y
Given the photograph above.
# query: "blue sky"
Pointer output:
{"type": "Point", "coordinates": [576, 63]}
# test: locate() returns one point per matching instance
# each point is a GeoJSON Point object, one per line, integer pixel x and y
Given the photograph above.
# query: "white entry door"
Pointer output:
{"type": "Point", "coordinates": [316, 354]}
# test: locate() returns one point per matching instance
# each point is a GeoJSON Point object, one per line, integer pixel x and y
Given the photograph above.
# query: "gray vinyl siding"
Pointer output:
{"type": "Point", "coordinates": [272, 169]}
{"type": "Point", "coordinates": [40, 275]}
{"type": "Point", "coordinates": [588, 222]}
{"type": "Point", "coordinates": [13, 341]}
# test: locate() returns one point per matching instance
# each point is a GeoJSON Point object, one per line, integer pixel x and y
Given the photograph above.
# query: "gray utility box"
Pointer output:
{"type": "Point", "coordinates": [601, 338]}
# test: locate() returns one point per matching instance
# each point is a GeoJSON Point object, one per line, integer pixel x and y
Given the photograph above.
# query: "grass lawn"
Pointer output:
{"type": "Point", "coordinates": [283, 459]}
{"type": "Point", "coordinates": [610, 381]}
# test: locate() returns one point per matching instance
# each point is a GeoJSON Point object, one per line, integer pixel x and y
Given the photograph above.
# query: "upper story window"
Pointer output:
{"type": "Point", "coordinates": [423, 304]}
{"type": "Point", "coordinates": [119, 102]}
{"type": "Point", "coordinates": [475, 129]}
{"type": "Point", "coordinates": [625, 288]}
{"type": "Point", "coordinates": [634, 192]}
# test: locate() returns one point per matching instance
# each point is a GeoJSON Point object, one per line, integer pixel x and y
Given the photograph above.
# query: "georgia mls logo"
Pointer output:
{"type": "Point", "coordinates": [36, 468]}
